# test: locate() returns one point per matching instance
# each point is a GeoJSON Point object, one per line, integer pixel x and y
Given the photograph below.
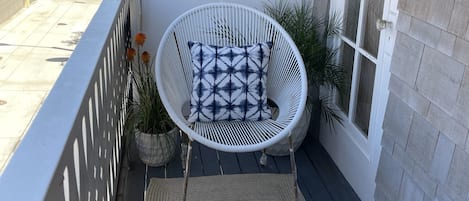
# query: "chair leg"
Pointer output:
{"type": "Point", "coordinates": [263, 159]}
{"type": "Point", "coordinates": [187, 169]}
{"type": "Point", "coordinates": [293, 168]}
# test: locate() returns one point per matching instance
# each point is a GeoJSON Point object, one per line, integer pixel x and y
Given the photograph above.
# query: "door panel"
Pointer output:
{"type": "Point", "coordinates": [371, 34]}
{"type": "Point", "coordinates": [365, 54]}
{"type": "Point", "coordinates": [365, 94]}
{"type": "Point", "coordinates": [351, 19]}
{"type": "Point", "coordinates": [347, 54]}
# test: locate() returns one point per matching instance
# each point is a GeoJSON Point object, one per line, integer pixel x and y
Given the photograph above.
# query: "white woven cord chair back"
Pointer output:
{"type": "Point", "coordinates": [227, 24]}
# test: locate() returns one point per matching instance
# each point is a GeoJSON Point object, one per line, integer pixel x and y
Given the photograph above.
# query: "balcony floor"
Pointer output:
{"type": "Point", "coordinates": [318, 177]}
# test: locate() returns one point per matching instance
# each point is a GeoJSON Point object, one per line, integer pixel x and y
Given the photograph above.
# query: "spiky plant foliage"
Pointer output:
{"type": "Point", "coordinates": [311, 34]}
{"type": "Point", "coordinates": [146, 111]}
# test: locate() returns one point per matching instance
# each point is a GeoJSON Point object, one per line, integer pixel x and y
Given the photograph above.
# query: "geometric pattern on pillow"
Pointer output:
{"type": "Point", "coordinates": [229, 83]}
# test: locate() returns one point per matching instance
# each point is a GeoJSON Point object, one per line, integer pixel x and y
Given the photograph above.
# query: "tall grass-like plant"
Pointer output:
{"type": "Point", "coordinates": [310, 35]}
{"type": "Point", "coordinates": [147, 112]}
{"type": "Point", "coordinates": [154, 132]}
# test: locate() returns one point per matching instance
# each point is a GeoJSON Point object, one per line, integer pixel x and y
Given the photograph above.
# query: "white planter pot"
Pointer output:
{"type": "Point", "coordinates": [298, 135]}
{"type": "Point", "coordinates": [156, 149]}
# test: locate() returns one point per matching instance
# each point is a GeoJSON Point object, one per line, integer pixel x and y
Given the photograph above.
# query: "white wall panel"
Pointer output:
{"type": "Point", "coordinates": [158, 14]}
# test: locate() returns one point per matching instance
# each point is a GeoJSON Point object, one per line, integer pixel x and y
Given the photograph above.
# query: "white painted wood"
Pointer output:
{"type": "Point", "coordinates": [356, 155]}
{"type": "Point", "coordinates": [382, 82]}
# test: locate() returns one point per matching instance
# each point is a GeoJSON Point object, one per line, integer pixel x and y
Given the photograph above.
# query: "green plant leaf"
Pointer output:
{"type": "Point", "coordinates": [311, 35]}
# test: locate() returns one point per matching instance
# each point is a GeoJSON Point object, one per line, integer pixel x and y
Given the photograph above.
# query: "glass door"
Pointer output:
{"type": "Point", "coordinates": [359, 52]}
{"type": "Point", "coordinates": [365, 53]}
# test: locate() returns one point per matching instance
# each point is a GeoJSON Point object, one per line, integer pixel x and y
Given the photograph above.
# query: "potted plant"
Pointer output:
{"type": "Point", "coordinates": [155, 133]}
{"type": "Point", "coordinates": [310, 34]}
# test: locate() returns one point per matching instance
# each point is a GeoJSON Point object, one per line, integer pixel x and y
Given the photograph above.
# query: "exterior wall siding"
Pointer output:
{"type": "Point", "coordinates": [9, 7]}
{"type": "Point", "coordinates": [425, 153]}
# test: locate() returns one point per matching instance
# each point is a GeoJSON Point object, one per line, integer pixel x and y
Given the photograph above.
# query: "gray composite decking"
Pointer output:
{"type": "Point", "coordinates": [318, 177]}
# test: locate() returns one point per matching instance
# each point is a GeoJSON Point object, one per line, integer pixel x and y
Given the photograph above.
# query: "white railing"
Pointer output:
{"type": "Point", "coordinates": [72, 150]}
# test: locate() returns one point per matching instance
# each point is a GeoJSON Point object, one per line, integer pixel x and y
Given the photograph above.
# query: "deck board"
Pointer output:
{"type": "Point", "coordinates": [135, 182]}
{"type": "Point", "coordinates": [209, 161]}
{"type": "Point", "coordinates": [330, 175]}
{"type": "Point", "coordinates": [247, 163]}
{"type": "Point", "coordinates": [173, 168]}
{"type": "Point", "coordinates": [307, 193]}
{"type": "Point", "coordinates": [229, 163]}
{"type": "Point", "coordinates": [196, 161]}
{"type": "Point", "coordinates": [318, 177]}
{"type": "Point", "coordinates": [283, 164]}
{"type": "Point", "coordinates": [312, 182]}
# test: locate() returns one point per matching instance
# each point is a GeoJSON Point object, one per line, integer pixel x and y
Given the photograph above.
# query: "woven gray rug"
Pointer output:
{"type": "Point", "coordinates": [238, 187]}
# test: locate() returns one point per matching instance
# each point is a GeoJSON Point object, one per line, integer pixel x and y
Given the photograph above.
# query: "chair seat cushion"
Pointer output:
{"type": "Point", "coordinates": [229, 83]}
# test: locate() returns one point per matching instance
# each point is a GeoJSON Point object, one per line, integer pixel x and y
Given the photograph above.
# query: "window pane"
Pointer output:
{"type": "Point", "coordinates": [347, 53]}
{"type": "Point", "coordinates": [371, 40]}
{"type": "Point", "coordinates": [365, 94]}
{"type": "Point", "coordinates": [352, 9]}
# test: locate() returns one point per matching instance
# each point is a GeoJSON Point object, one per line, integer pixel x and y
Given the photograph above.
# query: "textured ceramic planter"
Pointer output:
{"type": "Point", "coordinates": [156, 149]}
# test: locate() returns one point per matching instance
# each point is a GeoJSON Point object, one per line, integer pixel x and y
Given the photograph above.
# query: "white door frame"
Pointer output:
{"type": "Point", "coordinates": [354, 154]}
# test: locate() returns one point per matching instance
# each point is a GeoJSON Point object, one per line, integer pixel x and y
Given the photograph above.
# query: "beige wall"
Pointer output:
{"type": "Point", "coordinates": [425, 152]}
{"type": "Point", "coordinates": [9, 7]}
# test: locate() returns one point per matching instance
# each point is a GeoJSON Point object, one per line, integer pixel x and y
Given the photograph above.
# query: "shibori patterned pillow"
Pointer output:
{"type": "Point", "coordinates": [229, 83]}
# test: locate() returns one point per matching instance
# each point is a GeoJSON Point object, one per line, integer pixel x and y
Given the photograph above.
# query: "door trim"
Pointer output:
{"type": "Point", "coordinates": [356, 152]}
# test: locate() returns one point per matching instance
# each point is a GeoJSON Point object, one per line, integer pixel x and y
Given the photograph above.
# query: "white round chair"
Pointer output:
{"type": "Point", "coordinates": [228, 24]}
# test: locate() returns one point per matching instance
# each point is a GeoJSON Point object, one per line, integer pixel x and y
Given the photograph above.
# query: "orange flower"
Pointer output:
{"type": "Point", "coordinates": [146, 57]}
{"type": "Point", "coordinates": [140, 38]}
{"type": "Point", "coordinates": [131, 54]}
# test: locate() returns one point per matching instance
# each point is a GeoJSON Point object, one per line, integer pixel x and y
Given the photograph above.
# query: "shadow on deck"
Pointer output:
{"type": "Point", "coordinates": [318, 177]}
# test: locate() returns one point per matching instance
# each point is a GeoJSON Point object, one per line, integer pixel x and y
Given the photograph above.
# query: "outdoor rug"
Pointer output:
{"type": "Point", "coordinates": [237, 187]}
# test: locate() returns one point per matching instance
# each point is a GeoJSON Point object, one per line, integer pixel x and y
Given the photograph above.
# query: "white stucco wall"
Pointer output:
{"type": "Point", "coordinates": [157, 15]}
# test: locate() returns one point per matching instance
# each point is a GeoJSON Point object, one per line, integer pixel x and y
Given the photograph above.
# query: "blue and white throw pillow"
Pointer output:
{"type": "Point", "coordinates": [229, 83]}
